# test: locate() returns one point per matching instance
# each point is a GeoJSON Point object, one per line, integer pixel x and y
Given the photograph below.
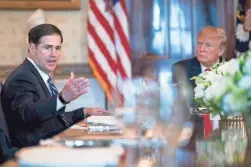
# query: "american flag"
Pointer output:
{"type": "Point", "coordinates": [108, 43]}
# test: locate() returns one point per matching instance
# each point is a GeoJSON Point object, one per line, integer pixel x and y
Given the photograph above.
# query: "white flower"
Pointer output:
{"type": "Point", "coordinates": [238, 53]}
{"type": "Point", "coordinates": [229, 67]}
{"type": "Point", "coordinates": [202, 85]}
{"type": "Point", "coordinates": [202, 80]}
{"type": "Point", "coordinates": [223, 68]}
{"type": "Point", "coordinates": [199, 92]}
{"type": "Point", "coordinates": [229, 96]}
{"type": "Point", "coordinates": [235, 102]}
{"type": "Point", "coordinates": [245, 83]}
{"type": "Point", "coordinates": [209, 92]}
{"type": "Point", "coordinates": [241, 35]}
{"type": "Point", "coordinates": [233, 66]}
{"type": "Point", "coordinates": [247, 66]}
{"type": "Point", "coordinates": [221, 86]}
{"type": "Point", "coordinates": [228, 103]}
{"type": "Point", "coordinates": [212, 76]}
{"type": "Point", "coordinates": [201, 75]}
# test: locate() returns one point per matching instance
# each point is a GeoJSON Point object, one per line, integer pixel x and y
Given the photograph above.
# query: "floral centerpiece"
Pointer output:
{"type": "Point", "coordinates": [226, 91]}
{"type": "Point", "coordinates": [232, 92]}
{"type": "Point", "coordinates": [208, 83]}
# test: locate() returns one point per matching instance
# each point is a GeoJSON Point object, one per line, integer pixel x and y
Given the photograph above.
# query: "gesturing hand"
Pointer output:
{"type": "Point", "coordinates": [96, 111]}
{"type": "Point", "coordinates": [247, 21]}
{"type": "Point", "coordinates": [75, 87]}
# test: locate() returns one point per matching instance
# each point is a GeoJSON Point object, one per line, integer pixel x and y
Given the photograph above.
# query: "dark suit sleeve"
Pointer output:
{"type": "Point", "coordinates": [76, 115]}
{"type": "Point", "coordinates": [179, 73]}
{"type": "Point", "coordinates": [180, 77]}
{"type": "Point", "coordinates": [174, 75]}
{"type": "Point", "coordinates": [30, 102]}
{"type": "Point", "coordinates": [181, 116]}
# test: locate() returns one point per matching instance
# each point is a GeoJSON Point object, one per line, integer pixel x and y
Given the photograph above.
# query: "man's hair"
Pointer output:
{"type": "Point", "coordinates": [217, 33]}
{"type": "Point", "coordinates": [36, 33]}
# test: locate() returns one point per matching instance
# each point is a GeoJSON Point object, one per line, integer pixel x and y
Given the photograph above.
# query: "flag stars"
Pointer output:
{"type": "Point", "coordinates": [108, 6]}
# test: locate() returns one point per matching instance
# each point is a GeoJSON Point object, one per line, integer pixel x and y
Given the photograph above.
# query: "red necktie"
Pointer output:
{"type": "Point", "coordinates": [208, 69]}
{"type": "Point", "coordinates": [208, 127]}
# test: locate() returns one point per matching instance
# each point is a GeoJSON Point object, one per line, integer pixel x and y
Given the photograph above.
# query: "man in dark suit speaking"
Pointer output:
{"type": "Point", "coordinates": [211, 45]}
{"type": "Point", "coordinates": [33, 107]}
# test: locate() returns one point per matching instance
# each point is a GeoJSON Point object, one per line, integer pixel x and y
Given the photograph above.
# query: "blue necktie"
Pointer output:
{"type": "Point", "coordinates": [53, 91]}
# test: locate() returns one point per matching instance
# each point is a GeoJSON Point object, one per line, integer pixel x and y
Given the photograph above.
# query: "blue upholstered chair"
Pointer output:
{"type": "Point", "coordinates": [6, 150]}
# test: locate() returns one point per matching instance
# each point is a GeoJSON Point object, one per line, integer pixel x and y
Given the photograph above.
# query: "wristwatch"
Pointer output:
{"type": "Point", "coordinates": [61, 99]}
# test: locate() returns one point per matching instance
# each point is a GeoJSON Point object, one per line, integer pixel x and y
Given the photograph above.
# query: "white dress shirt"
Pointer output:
{"type": "Point", "coordinates": [45, 78]}
{"type": "Point", "coordinates": [203, 68]}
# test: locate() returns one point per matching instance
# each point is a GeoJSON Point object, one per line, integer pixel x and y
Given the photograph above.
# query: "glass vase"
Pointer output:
{"type": "Point", "coordinates": [228, 147]}
{"type": "Point", "coordinates": [247, 126]}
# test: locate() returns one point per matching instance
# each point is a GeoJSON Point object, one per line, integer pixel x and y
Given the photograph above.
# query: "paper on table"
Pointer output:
{"type": "Point", "coordinates": [107, 120]}
{"type": "Point", "coordinates": [65, 157]}
{"type": "Point", "coordinates": [78, 127]}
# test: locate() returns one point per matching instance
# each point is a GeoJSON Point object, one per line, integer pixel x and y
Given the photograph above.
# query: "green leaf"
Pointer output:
{"type": "Point", "coordinates": [200, 79]}
{"type": "Point", "coordinates": [241, 60]}
{"type": "Point", "coordinates": [237, 76]}
{"type": "Point", "coordinates": [194, 78]}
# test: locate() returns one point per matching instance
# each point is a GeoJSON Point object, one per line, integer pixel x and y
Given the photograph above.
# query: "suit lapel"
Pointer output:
{"type": "Point", "coordinates": [40, 79]}
{"type": "Point", "coordinates": [195, 67]}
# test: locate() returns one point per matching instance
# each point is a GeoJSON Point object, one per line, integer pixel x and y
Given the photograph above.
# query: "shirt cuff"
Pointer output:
{"type": "Point", "coordinates": [86, 114]}
{"type": "Point", "coordinates": [59, 104]}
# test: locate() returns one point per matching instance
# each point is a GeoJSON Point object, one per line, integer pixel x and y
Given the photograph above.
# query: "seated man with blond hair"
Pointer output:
{"type": "Point", "coordinates": [211, 45]}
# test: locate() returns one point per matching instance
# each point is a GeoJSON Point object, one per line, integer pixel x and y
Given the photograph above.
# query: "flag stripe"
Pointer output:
{"type": "Point", "coordinates": [123, 49]}
{"type": "Point", "coordinates": [103, 63]}
{"type": "Point", "coordinates": [122, 36]}
{"type": "Point", "coordinates": [119, 13]}
{"type": "Point", "coordinates": [102, 33]}
{"type": "Point", "coordinates": [102, 47]}
{"type": "Point", "coordinates": [123, 5]}
{"type": "Point", "coordinates": [103, 21]}
{"type": "Point", "coordinates": [108, 43]}
{"type": "Point", "coordinates": [100, 74]}
{"type": "Point", "coordinates": [122, 57]}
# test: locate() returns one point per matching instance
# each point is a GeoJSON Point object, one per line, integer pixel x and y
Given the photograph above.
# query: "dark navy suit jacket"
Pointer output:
{"type": "Point", "coordinates": [183, 71]}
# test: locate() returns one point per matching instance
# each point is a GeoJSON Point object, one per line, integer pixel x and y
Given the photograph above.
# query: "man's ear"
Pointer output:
{"type": "Point", "coordinates": [32, 47]}
{"type": "Point", "coordinates": [221, 51]}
